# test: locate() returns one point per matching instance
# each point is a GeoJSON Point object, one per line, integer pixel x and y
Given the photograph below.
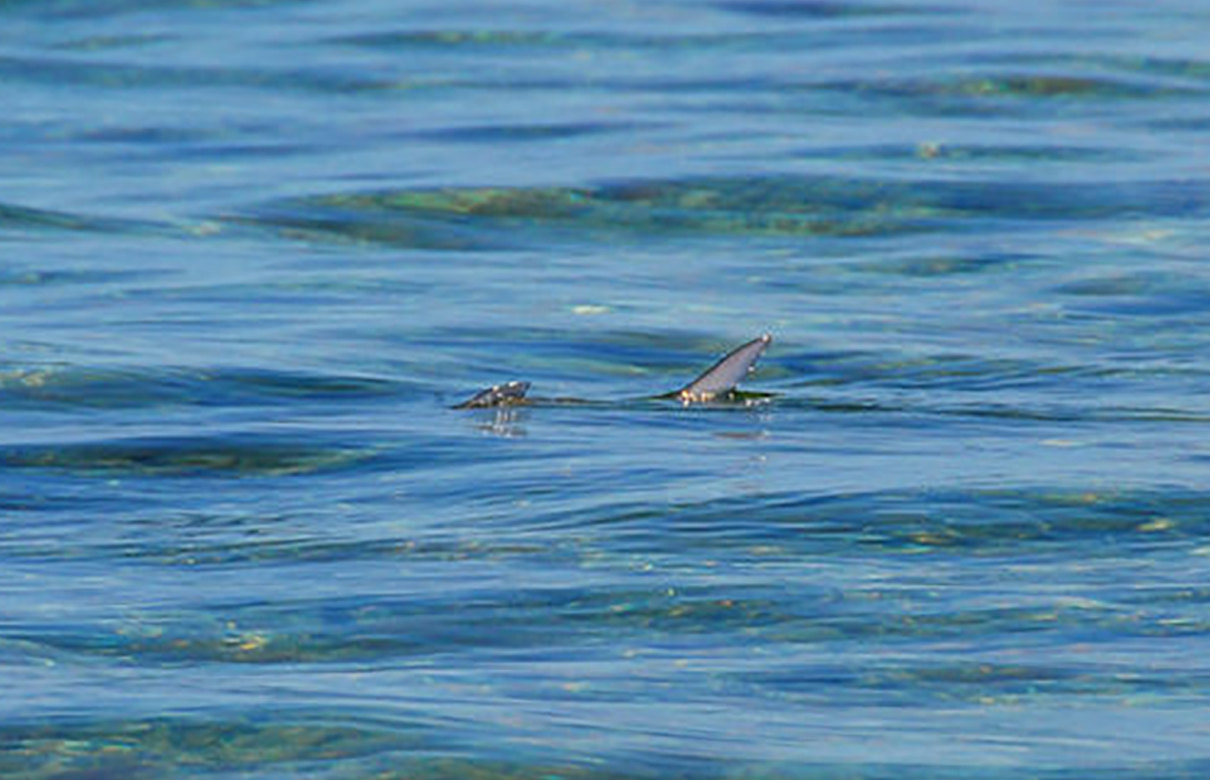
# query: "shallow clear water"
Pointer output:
{"type": "Point", "coordinates": [252, 252]}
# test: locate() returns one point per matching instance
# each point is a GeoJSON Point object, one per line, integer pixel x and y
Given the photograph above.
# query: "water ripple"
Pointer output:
{"type": "Point", "coordinates": [111, 388]}
{"type": "Point", "coordinates": [184, 457]}
{"type": "Point", "coordinates": [764, 206]}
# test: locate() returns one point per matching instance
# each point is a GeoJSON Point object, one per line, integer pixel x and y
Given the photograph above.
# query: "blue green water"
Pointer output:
{"type": "Point", "coordinates": [252, 252]}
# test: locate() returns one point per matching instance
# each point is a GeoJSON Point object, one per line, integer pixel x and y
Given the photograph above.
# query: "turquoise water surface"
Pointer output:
{"type": "Point", "coordinates": [252, 251]}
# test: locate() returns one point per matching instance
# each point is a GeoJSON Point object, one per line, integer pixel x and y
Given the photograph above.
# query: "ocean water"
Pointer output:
{"type": "Point", "coordinates": [251, 253]}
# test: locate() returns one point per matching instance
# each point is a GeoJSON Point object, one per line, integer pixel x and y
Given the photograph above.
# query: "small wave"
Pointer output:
{"type": "Point", "coordinates": [529, 132]}
{"type": "Point", "coordinates": [826, 9]}
{"type": "Point", "coordinates": [159, 746]}
{"type": "Point", "coordinates": [184, 457]}
{"type": "Point", "coordinates": [22, 218]}
{"type": "Point", "coordinates": [106, 74]}
{"type": "Point", "coordinates": [76, 386]}
{"type": "Point", "coordinates": [976, 522]}
{"type": "Point", "coordinates": [490, 217]}
{"type": "Point", "coordinates": [1005, 94]}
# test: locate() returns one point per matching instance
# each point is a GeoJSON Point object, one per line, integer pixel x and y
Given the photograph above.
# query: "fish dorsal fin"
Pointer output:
{"type": "Point", "coordinates": [723, 376]}
{"type": "Point", "coordinates": [506, 394]}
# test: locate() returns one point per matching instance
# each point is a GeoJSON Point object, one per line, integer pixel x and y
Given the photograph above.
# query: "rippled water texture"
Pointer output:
{"type": "Point", "coordinates": [253, 252]}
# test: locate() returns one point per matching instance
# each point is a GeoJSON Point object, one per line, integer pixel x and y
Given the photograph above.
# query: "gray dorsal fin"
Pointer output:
{"type": "Point", "coordinates": [723, 376]}
{"type": "Point", "coordinates": [497, 395]}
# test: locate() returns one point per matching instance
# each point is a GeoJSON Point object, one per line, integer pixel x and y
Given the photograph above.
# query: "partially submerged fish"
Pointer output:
{"type": "Point", "coordinates": [717, 383]}
{"type": "Point", "coordinates": [497, 395]}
